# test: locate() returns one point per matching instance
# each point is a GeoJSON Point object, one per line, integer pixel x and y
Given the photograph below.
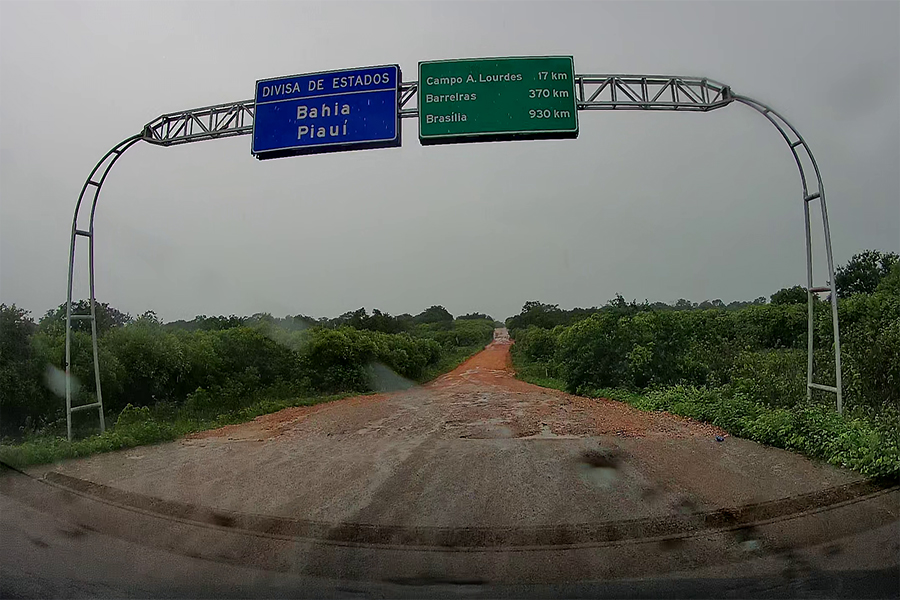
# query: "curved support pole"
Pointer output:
{"type": "Point", "coordinates": [794, 141]}
{"type": "Point", "coordinates": [95, 180]}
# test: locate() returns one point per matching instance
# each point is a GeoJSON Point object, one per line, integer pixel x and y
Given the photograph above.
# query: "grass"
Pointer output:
{"type": "Point", "coordinates": [140, 427]}
{"type": "Point", "coordinates": [868, 444]}
{"type": "Point", "coordinates": [166, 422]}
{"type": "Point", "coordinates": [536, 373]}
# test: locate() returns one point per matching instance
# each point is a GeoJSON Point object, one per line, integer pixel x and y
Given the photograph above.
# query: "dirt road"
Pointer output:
{"type": "Point", "coordinates": [475, 476]}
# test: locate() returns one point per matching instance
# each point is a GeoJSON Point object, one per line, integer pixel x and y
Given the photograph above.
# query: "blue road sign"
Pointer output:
{"type": "Point", "coordinates": [327, 112]}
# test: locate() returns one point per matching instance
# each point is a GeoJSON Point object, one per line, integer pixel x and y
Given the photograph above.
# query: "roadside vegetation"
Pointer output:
{"type": "Point", "coordinates": [164, 380]}
{"type": "Point", "coordinates": [740, 366]}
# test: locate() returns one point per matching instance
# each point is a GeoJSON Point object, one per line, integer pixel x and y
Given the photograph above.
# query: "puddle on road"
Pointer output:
{"type": "Point", "coordinates": [546, 433]}
{"type": "Point", "coordinates": [488, 429]}
{"type": "Point", "coordinates": [489, 433]}
{"type": "Point", "coordinates": [598, 468]}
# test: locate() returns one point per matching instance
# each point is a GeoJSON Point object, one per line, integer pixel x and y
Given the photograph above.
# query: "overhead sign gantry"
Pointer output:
{"type": "Point", "coordinates": [464, 100]}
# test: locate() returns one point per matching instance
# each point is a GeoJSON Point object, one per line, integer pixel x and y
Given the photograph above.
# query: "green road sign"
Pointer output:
{"type": "Point", "coordinates": [487, 99]}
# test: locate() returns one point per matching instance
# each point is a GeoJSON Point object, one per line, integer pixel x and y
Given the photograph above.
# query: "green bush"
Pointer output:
{"type": "Point", "coordinates": [771, 326]}
{"type": "Point", "coordinates": [249, 355]}
{"type": "Point", "coordinates": [646, 348]}
{"type": "Point", "coordinates": [864, 272]}
{"type": "Point", "coordinates": [760, 348]}
{"type": "Point", "coordinates": [537, 344]}
{"type": "Point", "coordinates": [23, 399]}
{"type": "Point", "coordinates": [872, 448]}
{"type": "Point", "coordinates": [210, 366]}
{"type": "Point", "coordinates": [592, 352]}
{"type": "Point", "coordinates": [144, 364]}
{"type": "Point", "coordinates": [890, 283]}
{"type": "Point", "coordinates": [792, 295]}
{"type": "Point", "coordinates": [458, 333]}
{"type": "Point", "coordinates": [473, 332]}
{"type": "Point", "coordinates": [337, 359]}
{"type": "Point", "coordinates": [743, 369]}
{"type": "Point", "coordinates": [132, 415]}
{"type": "Point", "coordinates": [434, 314]}
{"type": "Point", "coordinates": [151, 360]}
{"type": "Point", "coordinates": [203, 359]}
{"type": "Point", "coordinates": [776, 377]}
{"type": "Point", "coordinates": [870, 348]}
{"type": "Point", "coordinates": [202, 402]}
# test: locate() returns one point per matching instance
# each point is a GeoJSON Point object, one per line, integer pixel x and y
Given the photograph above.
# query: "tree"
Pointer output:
{"type": "Point", "coordinates": [358, 319]}
{"type": "Point", "coordinates": [475, 316]}
{"type": "Point", "coordinates": [23, 400]}
{"type": "Point", "coordinates": [706, 304]}
{"type": "Point", "coordinates": [891, 284]}
{"type": "Point", "coordinates": [434, 314]}
{"type": "Point", "coordinates": [863, 272]}
{"type": "Point", "coordinates": [791, 295]}
{"type": "Point", "coordinates": [204, 323]}
{"type": "Point", "coordinates": [260, 318]}
{"type": "Point", "coordinates": [303, 322]}
{"type": "Point", "coordinates": [684, 304]}
{"type": "Point", "coordinates": [16, 327]}
{"type": "Point", "coordinates": [377, 321]}
{"type": "Point", "coordinates": [658, 306]}
{"type": "Point", "coordinates": [538, 314]}
{"type": "Point", "coordinates": [384, 322]}
{"type": "Point", "coordinates": [54, 321]}
{"type": "Point", "coordinates": [621, 307]}
{"type": "Point", "coordinates": [405, 321]}
{"type": "Point", "coordinates": [618, 302]}
{"type": "Point", "coordinates": [148, 318]}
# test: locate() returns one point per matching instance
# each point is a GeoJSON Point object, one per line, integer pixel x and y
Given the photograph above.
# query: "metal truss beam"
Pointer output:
{"type": "Point", "coordinates": [650, 92]}
{"type": "Point", "coordinates": [592, 92]}
{"type": "Point", "coordinates": [408, 91]}
{"type": "Point", "coordinates": [199, 124]}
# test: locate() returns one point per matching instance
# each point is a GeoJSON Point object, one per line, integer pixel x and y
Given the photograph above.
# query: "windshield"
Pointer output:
{"type": "Point", "coordinates": [454, 299]}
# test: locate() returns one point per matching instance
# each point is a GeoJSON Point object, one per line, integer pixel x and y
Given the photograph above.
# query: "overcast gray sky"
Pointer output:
{"type": "Point", "coordinates": [650, 205]}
